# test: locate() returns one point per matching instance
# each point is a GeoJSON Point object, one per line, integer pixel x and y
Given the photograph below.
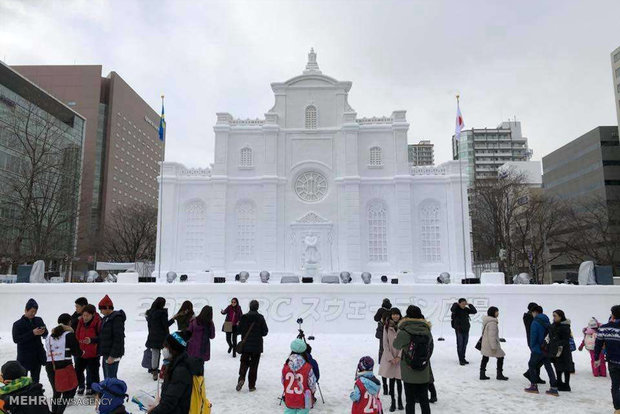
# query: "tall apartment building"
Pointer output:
{"type": "Point", "coordinates": [585, 168]}
{"type": "Point", "coordinates": [38, 211]}
{"type": "Point", "coordinates": [485, 150]}
{"type": "Point", "coordinates": [422, 153]}
{"type": "Point", "coordinates": [615, 67]}
{"type": "Point", "coordinates": [121, 147]}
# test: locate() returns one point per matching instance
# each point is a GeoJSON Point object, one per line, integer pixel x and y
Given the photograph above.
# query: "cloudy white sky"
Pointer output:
{"type": "Point", "coordinates": [545, 62]}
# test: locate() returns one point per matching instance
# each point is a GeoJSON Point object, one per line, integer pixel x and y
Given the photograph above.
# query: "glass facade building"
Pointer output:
{"type": "Point", "coordinates": [41, 143]}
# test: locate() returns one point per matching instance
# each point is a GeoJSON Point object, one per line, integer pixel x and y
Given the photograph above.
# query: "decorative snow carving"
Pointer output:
{"type": "Point", "coordinates": [311, 186]}
{"type": "Point", "coordinates": [311, 218]}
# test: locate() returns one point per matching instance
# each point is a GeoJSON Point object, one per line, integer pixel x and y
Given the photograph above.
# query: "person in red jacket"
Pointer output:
{"type": "Point", "coordinates": [88, 329]}
{"type": "Point", "coordinates": [298, 380]}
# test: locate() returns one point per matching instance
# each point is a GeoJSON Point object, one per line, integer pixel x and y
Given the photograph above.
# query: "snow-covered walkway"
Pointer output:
{"type": "Point", "coordinates": [458, 388]}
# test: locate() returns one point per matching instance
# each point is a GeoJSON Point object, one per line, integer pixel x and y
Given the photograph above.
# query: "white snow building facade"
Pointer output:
{"type": "Point", "coordinates": [312, 189]}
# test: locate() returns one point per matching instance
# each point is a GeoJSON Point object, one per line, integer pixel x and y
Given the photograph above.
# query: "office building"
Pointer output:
{"type": "Point", "coordinates": [41, 143]}
{"type": "Point", "coordinates": [587, 168]}
{"type": "Point", "coordinates": [615, 68]}
{"type": "Point", "coordinates": [121, 148]}
{"type": "Point", "coordinates": [422, 153]}
{"type": "Point", "coordinates": [485, 150]}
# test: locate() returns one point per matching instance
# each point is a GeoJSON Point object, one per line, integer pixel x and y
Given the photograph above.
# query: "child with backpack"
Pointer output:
{"type": "Point", "coordinates": [365, 394]}
{"type": "Point", "coordinates": [298, 380]}
{"type": "Point", "coordinates": [589, 339]}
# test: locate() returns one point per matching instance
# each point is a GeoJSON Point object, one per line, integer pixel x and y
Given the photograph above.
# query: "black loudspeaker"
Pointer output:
{"type": "Point", "coordinates": [183, 278]}
{"type": "Point", "coordinates": [471, 281]}
{"type": "Point", "coordinates": [394, 281]}
{"type": "Point", "coordinates": [307, 279]}
{"type": "Point", "coordinates": [384, 279]}
{"type": "Point", "coordinates": [219, 280]}
{"type": "Point", "coordinates": [147, 279]}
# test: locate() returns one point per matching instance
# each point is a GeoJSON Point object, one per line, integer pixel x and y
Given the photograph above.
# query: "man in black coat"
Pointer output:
{"type": "Point", "coordinates": [253, 328]}
{"type": "Point", "coordinates": [111, 341]}
{"type": "Point", "coordinates": [27, 333]}
{"type": "Point", "coordinates": [460, 322]}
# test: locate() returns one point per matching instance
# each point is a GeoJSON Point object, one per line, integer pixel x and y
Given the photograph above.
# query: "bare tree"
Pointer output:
{"type": "Point", "coordinates": [130, 234]}
{"type": "Point", "coordinates": [594, 232]}
{"type": "Point", "coordinates": [541, 223]}
{"type": "Point", "coordinates": [40, 184]}
{"type": "Point", "coordinates": [495, 206]}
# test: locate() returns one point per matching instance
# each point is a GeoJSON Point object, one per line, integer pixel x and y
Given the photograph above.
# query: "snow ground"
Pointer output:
{"type": "Point", "coordinates": [459, 390]}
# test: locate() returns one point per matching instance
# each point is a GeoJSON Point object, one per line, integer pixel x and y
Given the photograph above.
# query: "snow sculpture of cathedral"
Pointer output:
{"type": "Point", "coordinates": [312, 189]}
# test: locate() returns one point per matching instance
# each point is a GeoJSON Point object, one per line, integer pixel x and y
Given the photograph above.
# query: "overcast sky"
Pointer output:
{"type": "Point", "coordinates": [545, 62]}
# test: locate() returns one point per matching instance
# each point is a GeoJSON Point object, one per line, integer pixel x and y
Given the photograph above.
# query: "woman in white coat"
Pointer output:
{"type": "Point", "coordinates": [390, 360]}
{"type": "Point", "coordinates": [491, 346]}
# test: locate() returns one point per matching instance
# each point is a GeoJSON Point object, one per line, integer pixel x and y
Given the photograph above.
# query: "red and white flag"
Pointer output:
{"type": "Point", "coordinates": [459, 122]}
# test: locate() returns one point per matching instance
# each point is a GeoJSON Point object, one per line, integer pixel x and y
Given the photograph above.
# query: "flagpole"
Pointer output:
{"type": "Point", "coordinates": [462, 204]}
{"type": "Point", "coordinates": [160, 212]}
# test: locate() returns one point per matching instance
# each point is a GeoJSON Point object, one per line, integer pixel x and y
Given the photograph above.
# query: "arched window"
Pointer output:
{"type": "Point", "coordinates": [376, 157]}
{"type": "Point", "coordinates": [245, 160]}
{"type": "Point", "coordinates": [246, 230]}
{"type": "Point", "coordinates": [377, 232]}
{"type": "Point", "coordinates": [195, 230]}
{"type": "Point", "coordinates": [430, 232]}
{"type": "Point", "coordinates": [311, 117]}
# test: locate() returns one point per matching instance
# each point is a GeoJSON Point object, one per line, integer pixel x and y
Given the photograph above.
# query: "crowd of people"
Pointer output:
{"type": "Point", "coordinates": [80, 345]}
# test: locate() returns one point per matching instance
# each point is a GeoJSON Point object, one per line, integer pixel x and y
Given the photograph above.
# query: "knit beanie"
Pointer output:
{"type": "Point", "coordinates": [593, 324]}
{"type": "Point", "coordinates": [386, 304]}
{"type": "Point", "coordinates": [106, 302]}
{"type": "Point", "coordinates": [298, 346]}
{"type": "Point", "coordinates": [13, 370]}
{"type": "Point", "coordinates": [366, 364]}
{"type": "Point", "coordinates": [414, 312]}
{"type": "Point", "coordinates": [32, 304]}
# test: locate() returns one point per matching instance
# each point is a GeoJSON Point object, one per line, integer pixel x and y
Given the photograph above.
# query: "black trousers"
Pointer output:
{"type": "Point", "coordinates": [60, 399]}
{"type": "Point", "coordinates": [231, 338]}
{"type": "Point", "coordinates": [419, 393]}
{"type": "Point", "coordinates": [91, 366]}
{"type": "Point", "coordinates": [35, 374]}
{"type": "Point", "coordinates": [249, 361]}
{"type": "Point", "coordinates": [614, 373]}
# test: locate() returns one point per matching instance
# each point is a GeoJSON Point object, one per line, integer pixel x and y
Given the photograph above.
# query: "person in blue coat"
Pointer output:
{"type": "Point", "coordinates": [27, 334]}
{"type": "Point", "coordinates": [538, 332]}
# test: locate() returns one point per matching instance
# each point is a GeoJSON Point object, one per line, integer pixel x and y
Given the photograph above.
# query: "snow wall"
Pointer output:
{"type": "Point", "coordinates": [324, 308]}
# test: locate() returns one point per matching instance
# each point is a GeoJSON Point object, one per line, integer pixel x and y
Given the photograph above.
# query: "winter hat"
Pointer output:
{"type": "Point", "coordinates": [106, 302]}
{"type": "Point", "coordinates": [366, 364]}
{"type": "Point", "coordinates": [113, 394]}
{"type": "Point", "coordinates": [386, 304]}
{"type": "Point", "coordinates": [32, 304]}
{"type": "Point", "coordinates": [298, 346]}
{"type": "Point", "coordinates": [13, 370]}
{"type": "Point", "coordinates": [177, 341]}
{"type": "Point", "coordinates": [414, 312]}
{"type": "Point", "coordinates": [593, 324]}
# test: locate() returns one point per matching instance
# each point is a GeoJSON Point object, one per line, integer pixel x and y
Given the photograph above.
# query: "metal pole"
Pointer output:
{"type": "Point", "coordinates": [462, 205]}
{"type": "Point", "coordinates": [160, 210]}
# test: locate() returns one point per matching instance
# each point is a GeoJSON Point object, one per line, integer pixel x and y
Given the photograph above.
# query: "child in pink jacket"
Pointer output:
{"type": "Point", "coordinates": [589, 338]}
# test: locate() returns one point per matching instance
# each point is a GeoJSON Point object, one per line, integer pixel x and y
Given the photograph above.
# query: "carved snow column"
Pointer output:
{"type": "Point", "coordinates": [402, 215]}
{"type": "Point", "coordinates": [217, 199]}
{"type": "Point", "coordinates": [350, 201]}
{"type": "Point", "coordinates": [269, 244]}
{"type": "Point", "coordinates": [167, 220]}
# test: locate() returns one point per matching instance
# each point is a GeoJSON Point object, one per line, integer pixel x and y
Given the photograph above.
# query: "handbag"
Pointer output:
{"type": "Point", "coordinates": [479, 343]}
{"type": "Point", "coordinates": [571, 342]}
{"type": "Point", "coordinates": [147, 358]}
{"type": "Point", "coordinates": [239, 348]}
{"type": "Point", "coordinates": [228, 327]}
{"type": "Point", "coordinates": [65, 379]}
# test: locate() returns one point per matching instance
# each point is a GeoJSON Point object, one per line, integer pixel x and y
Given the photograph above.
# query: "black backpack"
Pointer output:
{"type": "Point", "coordinates": [418, 353]}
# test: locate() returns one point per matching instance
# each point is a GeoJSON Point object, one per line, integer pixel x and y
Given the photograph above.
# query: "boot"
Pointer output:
{"type": "Point", "coordinates": [240, 384]}
{"type": "Point", "coordinates": [500, 370]}
{"type": "Point", "coordinates": [433, 391]}
{"type": "Point", "coordinates": [552, 392]}
{"type": "Point", "coordinates": [155, 374]}
{"type": "Point", "coordinates": [385, 386]}
{"type": "Point", "coordinates": [483, 368]}
{"type": "Point", "coordinates": [532, 389]}
{"type": "Point", "coordinates": [565, 385]}
{"type": "Point", "coordinates": [400, 402]}
{"type": "Point", "coordinates": [393, 405]}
